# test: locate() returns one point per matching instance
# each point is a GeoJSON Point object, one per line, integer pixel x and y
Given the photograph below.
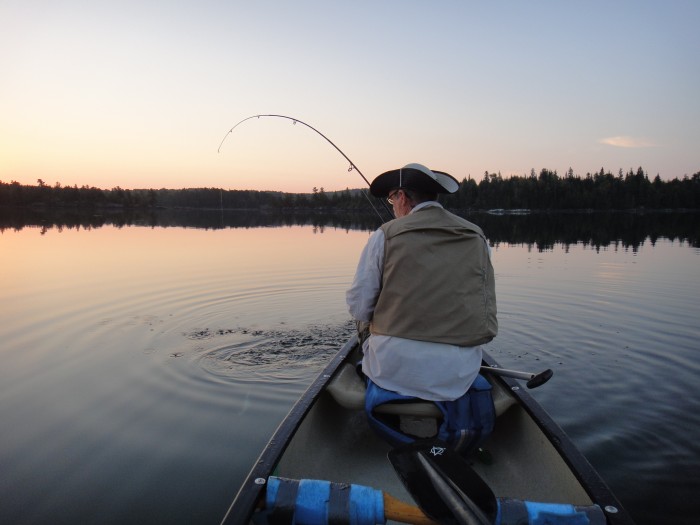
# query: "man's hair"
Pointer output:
{"type": "Point", "coordinates": [418, 197]}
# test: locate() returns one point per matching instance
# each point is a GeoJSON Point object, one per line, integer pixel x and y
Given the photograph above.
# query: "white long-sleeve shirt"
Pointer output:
{"type": "Point", "coordinates": [433, 371]}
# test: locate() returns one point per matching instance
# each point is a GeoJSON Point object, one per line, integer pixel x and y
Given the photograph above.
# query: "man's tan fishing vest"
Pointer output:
{"type": "Point", "coordinates": [438, 282]}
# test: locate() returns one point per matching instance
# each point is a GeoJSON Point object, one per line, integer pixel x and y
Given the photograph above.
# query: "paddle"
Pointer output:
{"type": "Point", "coordinates": [397, 510]}
{"type": "Point", "coordinates": [534, 380]}
{"type": "Point", "coordinates": [317, 502]}
{"type": "Point", "coordinates": [448, 490]}
{"type": "Point", "coordinates": [442, 489]}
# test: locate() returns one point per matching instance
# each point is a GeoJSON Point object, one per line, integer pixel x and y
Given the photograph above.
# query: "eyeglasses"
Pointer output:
{"type": "Point", "coordinates": [390, 198]}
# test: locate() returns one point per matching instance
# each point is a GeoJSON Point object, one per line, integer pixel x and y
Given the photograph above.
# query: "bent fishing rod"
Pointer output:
{"type": "Point", "coordinates": [352, 167]}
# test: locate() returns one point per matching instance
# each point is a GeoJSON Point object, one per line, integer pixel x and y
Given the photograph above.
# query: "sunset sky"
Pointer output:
{"type": "Point", "coordinates": [139, 94]}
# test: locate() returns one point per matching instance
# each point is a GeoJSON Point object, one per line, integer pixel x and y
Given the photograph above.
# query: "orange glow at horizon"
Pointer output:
{"type": "Point", "coordinates": [140, 94]}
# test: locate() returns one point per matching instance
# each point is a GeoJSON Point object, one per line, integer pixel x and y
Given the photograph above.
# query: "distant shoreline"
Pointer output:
{"type": "Point", "coordinates": [331, 210]}
{"type": "Point", "coordinates": [494, 194]}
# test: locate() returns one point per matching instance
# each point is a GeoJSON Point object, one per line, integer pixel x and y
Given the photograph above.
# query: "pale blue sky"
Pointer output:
{"type": "Point", "coordinates": [140, 94]}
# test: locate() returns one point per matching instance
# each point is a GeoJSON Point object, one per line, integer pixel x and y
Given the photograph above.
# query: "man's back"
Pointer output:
{"type": "Point", "coordinates": [438, 282]}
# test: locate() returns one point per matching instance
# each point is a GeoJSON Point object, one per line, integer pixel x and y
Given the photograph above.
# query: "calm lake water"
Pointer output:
{"type": "Point", "coordinates": [147, 359]}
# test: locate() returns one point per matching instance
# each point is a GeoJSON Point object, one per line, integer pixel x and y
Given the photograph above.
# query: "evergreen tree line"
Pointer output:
{"type": "Point", "coordinates": [544, 191]}
{"type": "Point", "coordinates": [600, 191]}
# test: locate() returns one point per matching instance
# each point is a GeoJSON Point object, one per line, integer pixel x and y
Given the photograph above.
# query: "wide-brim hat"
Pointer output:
{"type": "Point", "coordinates": [413, 177]}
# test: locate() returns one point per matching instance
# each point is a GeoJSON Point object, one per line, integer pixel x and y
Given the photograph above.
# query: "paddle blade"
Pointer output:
{"type": "Point", "coordinates": [540, 379]}
{"type": "Point", "coordinates": [443, 484]}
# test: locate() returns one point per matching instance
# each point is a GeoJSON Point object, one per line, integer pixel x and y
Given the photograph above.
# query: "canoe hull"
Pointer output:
{"type": "Point", "coordinates": [529, 456]}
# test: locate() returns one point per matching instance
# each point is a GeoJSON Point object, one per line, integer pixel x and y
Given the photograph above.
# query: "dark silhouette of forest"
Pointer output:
{"type": "Point", "coordinates": [544, 191]}
{"type": "Point", "coordinates": [539, 230]}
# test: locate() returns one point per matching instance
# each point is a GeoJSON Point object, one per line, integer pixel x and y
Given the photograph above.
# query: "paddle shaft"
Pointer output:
{"type": "Point", "coordinates": [508, 373]}
{"type": "Point", "coordinates": [533, 380]}
{"type": "Point", "coordinates": [397, 510]}
{"type": "Point", "coordinates": [313, 498]}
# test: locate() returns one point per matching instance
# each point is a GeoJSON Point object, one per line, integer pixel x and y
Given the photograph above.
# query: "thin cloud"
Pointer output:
{"type": "Point", "coordinates": [627, 142]}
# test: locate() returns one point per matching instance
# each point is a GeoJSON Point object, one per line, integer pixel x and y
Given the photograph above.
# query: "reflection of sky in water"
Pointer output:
{"type": "Point", "coordinates": [192, 343]}
{"type": "Point", "coordinates": [265, 274]}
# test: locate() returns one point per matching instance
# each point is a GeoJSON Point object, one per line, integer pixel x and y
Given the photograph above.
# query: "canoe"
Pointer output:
{"type": "Point", "coordinates": [326, 438]}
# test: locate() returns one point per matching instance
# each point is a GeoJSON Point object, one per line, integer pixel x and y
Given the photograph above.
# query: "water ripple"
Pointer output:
{"type": "Point", "coordinates": [271, 355]}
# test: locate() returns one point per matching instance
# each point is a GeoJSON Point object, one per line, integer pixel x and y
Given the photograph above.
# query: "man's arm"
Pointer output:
{"type": "Point", "coordinates": [362, 295]}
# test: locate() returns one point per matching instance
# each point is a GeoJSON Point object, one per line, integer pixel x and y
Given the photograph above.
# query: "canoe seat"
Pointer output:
{"type": "Point", "coordinates": [348, 390]}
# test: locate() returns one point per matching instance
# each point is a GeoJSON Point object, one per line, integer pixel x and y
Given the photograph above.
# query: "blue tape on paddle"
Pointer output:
{"type": "Point", "coordinates": [318, 502]}
{"type": "Point", "coordinates": [517, 512]}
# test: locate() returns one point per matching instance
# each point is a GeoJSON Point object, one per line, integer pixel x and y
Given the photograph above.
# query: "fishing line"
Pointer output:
{"type": "Point", "coordinates": [352, 166]}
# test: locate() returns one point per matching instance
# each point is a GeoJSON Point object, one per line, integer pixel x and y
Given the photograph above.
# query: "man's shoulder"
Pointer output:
{"type": "Point", "coordinates": [437, 215]}
{"type": "Point", "coordinates": [388, 226]}
{"type": "Point", "coordinates": [429, 216]}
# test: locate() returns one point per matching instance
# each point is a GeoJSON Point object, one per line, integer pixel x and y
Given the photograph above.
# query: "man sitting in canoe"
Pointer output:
{"type": "Point", "coordinates": [425, 285]}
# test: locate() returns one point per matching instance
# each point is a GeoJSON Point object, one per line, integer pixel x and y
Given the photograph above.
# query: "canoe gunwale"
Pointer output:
{"type": "Point", "coordinates": [587, 476]}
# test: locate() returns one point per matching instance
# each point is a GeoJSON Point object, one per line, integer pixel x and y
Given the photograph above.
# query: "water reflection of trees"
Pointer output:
{"type": "Point", "coordinates": [541, 231]}
{"type": "Point", "coordinates": [74, 218]}
{"type": "Point", "coordinates": [598, 230]}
